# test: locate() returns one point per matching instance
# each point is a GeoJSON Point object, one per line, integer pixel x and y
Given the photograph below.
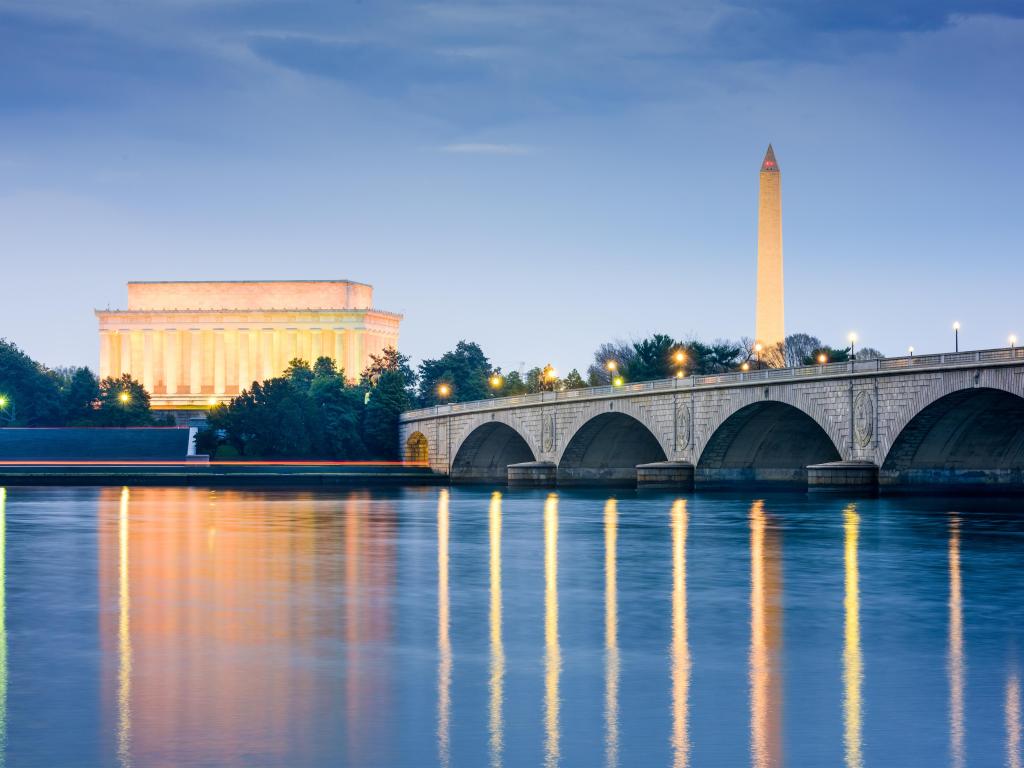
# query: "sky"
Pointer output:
{"type": "Point", "coordinates": [538, 177]}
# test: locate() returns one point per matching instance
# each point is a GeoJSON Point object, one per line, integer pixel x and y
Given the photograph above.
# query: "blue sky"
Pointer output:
{"type": "Point", "coordinates": [538, 177]}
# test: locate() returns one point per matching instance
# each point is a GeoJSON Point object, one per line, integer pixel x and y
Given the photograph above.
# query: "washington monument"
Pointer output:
{"type": "Point", "coordinates": [770, 326]}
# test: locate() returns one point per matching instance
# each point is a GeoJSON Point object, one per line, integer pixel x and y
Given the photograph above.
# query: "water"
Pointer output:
{"type": "Point", "coordinates": [418, 627]}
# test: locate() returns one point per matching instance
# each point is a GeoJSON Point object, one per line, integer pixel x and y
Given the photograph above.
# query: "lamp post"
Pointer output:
{"type": "Point", "coordinates": [443, 391]}
{"type": "Point", "coordinates": [1012, 340]}
{"type": "Point", "coordinates": [679, 357]}
{"type": "Point", "coordinates": [611, 366]}
{"type": "Point", "coordinates": [7, 409]}
{"type": "Point", "coordinates": [956, 336]}
{"type": "Point", "coordinates": [853, 345]}
{"type": "Point", "coordinates": [496, 380]}
{"type": "Point", "coordinates": [911, 351]}
{"type": "Point", "coordinates": [757, 354]}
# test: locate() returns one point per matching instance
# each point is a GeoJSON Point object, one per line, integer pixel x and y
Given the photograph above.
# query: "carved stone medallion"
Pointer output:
{"type": "Point", "coordinates": [683, 426]}
{"type": "Point", "coordinates": [548, 443]}
{"type": "Point", "coordinates": [863, 419]}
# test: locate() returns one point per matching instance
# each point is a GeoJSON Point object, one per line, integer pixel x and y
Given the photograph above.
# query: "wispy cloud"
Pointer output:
{"type": "Point", "coordinates": [488, 149]}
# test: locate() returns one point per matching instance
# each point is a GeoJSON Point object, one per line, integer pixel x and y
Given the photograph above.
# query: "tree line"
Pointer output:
{"type": "Point", "coordinates": [32, 395]}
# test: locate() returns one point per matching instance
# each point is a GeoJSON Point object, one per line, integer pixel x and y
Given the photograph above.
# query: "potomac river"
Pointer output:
{"type": "Point", "coordinates": [477, 627]}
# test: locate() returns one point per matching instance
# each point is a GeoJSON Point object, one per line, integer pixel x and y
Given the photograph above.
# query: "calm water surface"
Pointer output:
{"type": "Point", "coordinates": [419, 627]}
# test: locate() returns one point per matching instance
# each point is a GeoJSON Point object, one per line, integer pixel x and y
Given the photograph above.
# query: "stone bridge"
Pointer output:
{"type": "Point", "coordinates": [906, 422]}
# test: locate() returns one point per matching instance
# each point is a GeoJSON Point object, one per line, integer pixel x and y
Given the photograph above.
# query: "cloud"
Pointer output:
{"type": "Point", "coordinates": [488, 149]}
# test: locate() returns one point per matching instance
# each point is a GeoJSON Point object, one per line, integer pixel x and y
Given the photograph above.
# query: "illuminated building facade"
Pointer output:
{"type": "Point", "coordinates": [193, 344]}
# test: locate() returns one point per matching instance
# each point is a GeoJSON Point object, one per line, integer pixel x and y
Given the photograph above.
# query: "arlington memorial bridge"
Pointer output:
{"type": "Point", "coordinates": [901, 423]}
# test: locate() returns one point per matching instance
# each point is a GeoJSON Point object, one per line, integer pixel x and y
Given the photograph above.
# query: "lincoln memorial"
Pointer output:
{"type": "Point", "coordinates": [193, 344]}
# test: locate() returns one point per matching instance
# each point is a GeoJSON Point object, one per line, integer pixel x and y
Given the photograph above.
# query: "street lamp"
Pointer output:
{"type": "Point", "coordinates": [911, 351]}
{"type": "Point", "coordinates": [853, 342]}
{"type": "Point", "coordinates": [822, 358]}
{"type": "Point", "coordinates": [956, 336]}
{"type": "Point", "coordinates": [4, 402]}
{"type": "Point", "coordinates": [757, 353]}
{"type": "Point", "coordinates": [617, 381]}
{"type": "Point", "coordinates": [745, 367]}
{"type": "Point", "coordinates": [443, 390]}
{"type": "Point", "coordinates": [124, 397]}
{"type": "Point", "coordinates": [496, 381]}
{"type": "Point", "coordinates": [1012, 340]}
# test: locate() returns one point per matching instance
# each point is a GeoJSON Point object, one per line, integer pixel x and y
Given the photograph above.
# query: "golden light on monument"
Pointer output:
{"type": "Point", "coordinates": [187, 342]}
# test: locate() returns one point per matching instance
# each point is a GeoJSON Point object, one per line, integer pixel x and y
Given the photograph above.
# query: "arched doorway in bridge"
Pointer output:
{"type": "Point", "coordinates": [606, 450]}
{"type": "Point", "coordinates": [766, 442]}
{"type": "Point", "coordinates": [417, 449]}
{"type": "Point", "coordinates": [974, 437]}
{"type": "Point", "coordinates": [485, 454]}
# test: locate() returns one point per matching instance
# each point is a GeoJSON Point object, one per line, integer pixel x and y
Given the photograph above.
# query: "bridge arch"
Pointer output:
{"type": "Point", "coordinates": [766, 441]}
{"type": "Point", "coordinates": [967, 436]}
{"type": "Point", "coordinates": [606, 448]}
{"type": "Point", "coordinates": [486, 448]}
{"type": "Point", "coordinates": [417, 449]}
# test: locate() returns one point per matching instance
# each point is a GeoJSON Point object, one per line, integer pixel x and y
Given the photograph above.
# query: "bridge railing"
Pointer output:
{"type": "Point", "coordinates": [827, 370]}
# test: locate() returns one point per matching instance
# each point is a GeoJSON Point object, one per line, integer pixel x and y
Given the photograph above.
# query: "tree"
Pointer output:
{"type": "Point", "coordinates": [869, 353]}
{"type": "Point", "coordinates": [515, 384]}
{"type": "Point", "coordinates": [123, 403]}
{"type": "Point", "coordinates": [80, 394]}
{"type": "Point", "coordinates": [620, 352]}
{"type": "Point", "coordinates": [387, 401]}
{"type": "Point", "coordinates": [798, 347]}
{"type": "Point", "coordinates": [652, 359]}
{"type": "Point", "coordinates": [32, 394]}
{"type": "Point", "coordinates": [299, 374]}
{"type": "Point", "coordinates": [574, 380]}
{"type": "Point", "coordinates": [390, 359]}
{"type": "Point", "coordinates": [465, 369]}
{"type": "Point", "coordinates": [831, 355]}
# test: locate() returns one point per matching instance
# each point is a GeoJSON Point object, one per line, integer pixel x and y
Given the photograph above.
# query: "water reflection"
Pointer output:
{"type": "Point", "coordinates": [765, 641]}
{"type": "Point", "coordinates": [444, 646]}
{"type": "Point", "coordinates": [611, 634]}
{"type": "Point", "coordinates": [852, 664]}
{"type": "Point", "coordinates": [124, 638]}
{"type": "Point", "coordinates": [1013, 721]}
{"type": "Point", "coordinates": [552, 649]}
{"type": "Point", "coordinates": [956, 649]}
{"type": "Point", "coordinates": [497, 681]}
{"type": "Point", "coordinates": [680, 641]}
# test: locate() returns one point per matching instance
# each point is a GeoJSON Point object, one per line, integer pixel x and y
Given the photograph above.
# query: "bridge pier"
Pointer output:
{"type": "Point", "coordinates": [533, 474]}
{"type": "Point", "coordinates": [843, 475]}
{"type": "Point", "coordinates": [665, 474]}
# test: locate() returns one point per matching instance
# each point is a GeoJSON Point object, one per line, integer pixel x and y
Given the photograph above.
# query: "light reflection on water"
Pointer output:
{"type": "Point", "coordinates": [469, 627]}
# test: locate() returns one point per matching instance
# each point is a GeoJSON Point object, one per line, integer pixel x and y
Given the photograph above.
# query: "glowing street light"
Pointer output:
{"type": "Point", "coordinates": [617, 381]}
{"type": "Point", "coordinates": [745, 367]}
{"type": "Point", "coordinates": [124, 397]}
{"type": "Point", "coordinates": [757, 353]}
{"type": "Point", "coordinates": [1012, 340]}
{"type": "Point", "coordinates": [822, 358]}
{"type": "Point", "coordinates": [3, 401]}
{"type": "Point", "coordinates": [679, 357]}
{"type": "Point", "coordinates": [910, 350]}
{"type": "Point", "coordinates": [443, 390]}
{"type": "Point", "coordinates": [212, 401]}
{"type": "Point", "coordinates": [956, 336]}
{"type": "Point", "coordinates": [612, 366]}
{"type": "Point", "coordinates": [496, 381]}
{"type": "Point", "coordinates": [853, 345]}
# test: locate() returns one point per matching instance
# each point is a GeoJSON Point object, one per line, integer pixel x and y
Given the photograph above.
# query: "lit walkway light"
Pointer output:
{"type": "Point", "coordinates": [617, 381]}
{"type": "Point", "coordinates": [1012, 340]}
{"type": "Point", "coordinates": [124, 397]}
